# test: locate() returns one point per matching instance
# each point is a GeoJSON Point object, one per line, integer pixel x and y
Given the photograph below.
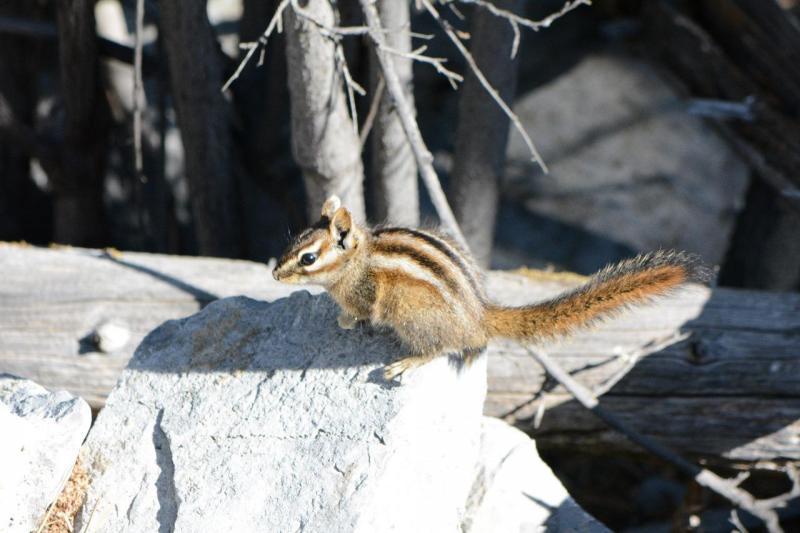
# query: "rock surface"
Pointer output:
{"type": "Point", "coordinates": [514, 490]}
{"type": "Point", "coordinates": [42, 432]}
{"type": "Point", "coordinates": [252, 416]}
{"type": "Point", "coordinates": [630, 170]}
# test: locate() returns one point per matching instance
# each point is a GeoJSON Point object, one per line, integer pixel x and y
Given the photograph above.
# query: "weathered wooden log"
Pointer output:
{"type": "Point", "coordinates": [714, 374]}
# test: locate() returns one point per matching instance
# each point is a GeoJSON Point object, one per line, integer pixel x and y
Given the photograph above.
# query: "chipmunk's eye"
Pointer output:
{"type": "Point", "coordinates": [308, 259]}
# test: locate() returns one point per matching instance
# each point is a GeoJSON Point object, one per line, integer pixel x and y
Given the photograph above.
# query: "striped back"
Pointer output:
{"type": "Point", "coordinates": [431, 258]}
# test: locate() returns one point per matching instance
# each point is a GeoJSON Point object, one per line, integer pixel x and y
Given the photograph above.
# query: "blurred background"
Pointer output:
{"type": "Point", "coordinates": [664, 124]}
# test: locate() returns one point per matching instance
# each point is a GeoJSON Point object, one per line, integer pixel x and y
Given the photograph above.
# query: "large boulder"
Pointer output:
{"type": "Point", "coordinates": [631, 169]}
{"type": "Point", "coordinates": [515, 490]}
{"type": "Point", "coordinates": [252, 416]}
{"type": "Point", "coordinates": [42, 434]}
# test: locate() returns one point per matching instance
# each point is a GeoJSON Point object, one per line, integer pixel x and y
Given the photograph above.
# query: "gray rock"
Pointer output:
{"type": "Point", "coordinates": [252, 416]}
{"type": "Point", "coordinates": [42, 432]}
{"type": "Point", "coordinates": [514, 490]}
{"type": "Point", "coordinates": [629, 166]}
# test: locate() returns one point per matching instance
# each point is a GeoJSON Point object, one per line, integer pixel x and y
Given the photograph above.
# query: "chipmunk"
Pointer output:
{"type": "Point", "coordinates": [430, 292]}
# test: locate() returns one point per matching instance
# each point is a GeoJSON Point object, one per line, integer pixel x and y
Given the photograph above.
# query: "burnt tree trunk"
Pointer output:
{"type": "Point", "coordinates": [25, 210]}
{"type": "Point", "coordinates": [482, 133]}
{"type": "Point", "coordinates": [395, 192]}
{"type": "Point", "coordinates": [324, 142]}
{"type": "Point", "coordinates": [765, 249]}
{"type": "Point", "coordinates": [204, 117]}
{"type": "Point", "coordinates": [79, 216]}
{"type": "Point", "coordinates": [271, 189]}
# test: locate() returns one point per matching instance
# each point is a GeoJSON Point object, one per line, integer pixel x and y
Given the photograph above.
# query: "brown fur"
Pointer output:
{"type": "Point", "coordinates": [429, 291]}
{"type": "Point", "coordinates": [605, 295]}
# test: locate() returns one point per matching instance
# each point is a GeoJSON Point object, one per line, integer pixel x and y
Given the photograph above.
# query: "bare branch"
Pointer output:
{"type": "Point", "coordinates": [350, 85]}
{"type": "Point", "coordinates": [450, 32]}
{"type": "Point", "coordinates": [421, 152]}
{"type": "Point", "coordinates": [735, 522]}
{"type": "Point", "coordinates": [373, 111]}
{"type": "Point", "coordinates": [729, 488]}
{"type": "Point", "coordinates": [437, 62]}
{"type": "Point", "coordinates": [274, 22]}
{"type": "Point", "coordinates": [517, 20]}
{"type": "Point", "coordinates": [632, 357]}
{"type": "Point", "coordinates": [138, 93]}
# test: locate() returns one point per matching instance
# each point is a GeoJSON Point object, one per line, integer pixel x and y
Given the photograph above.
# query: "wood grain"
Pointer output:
{"type": "Point", "coordinates": [714, 374]}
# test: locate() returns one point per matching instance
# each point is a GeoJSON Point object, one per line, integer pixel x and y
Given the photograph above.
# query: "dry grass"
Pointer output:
{"type": "Point", "coordinates": [14, 244]}
{"type": "Point", "coordinates": [60, 516]}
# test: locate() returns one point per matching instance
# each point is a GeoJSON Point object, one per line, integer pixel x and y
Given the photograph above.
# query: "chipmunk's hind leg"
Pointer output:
{"type": "Point", "coordinates": [470, 354]}
{"type": "Point", "coordinates": [394, 370]}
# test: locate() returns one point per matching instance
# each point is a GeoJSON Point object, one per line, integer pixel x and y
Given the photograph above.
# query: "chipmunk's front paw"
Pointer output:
{"type": "Point", "coordinates": [395, 370]}
{"type": "Point", "coordinates": [346, 321]}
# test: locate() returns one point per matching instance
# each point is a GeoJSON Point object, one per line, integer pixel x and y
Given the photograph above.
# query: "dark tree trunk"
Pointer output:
{"type": "Point", "coordinates": [765, 250]}
{"type": "Point", "coordinates": [272, 191]}
{"type": "Point", "coordinates": [79, 216]}
{"type": "Point", "coordinates": [482, 133]}
{"type": "Point", "coordinates": [25, 210]}
{"type": "Point", "coordinates": [324, 142]}
{"type": "Point", "coordinates": [395, 191]}
{"type": "Point", "coordinates": [204, 118]}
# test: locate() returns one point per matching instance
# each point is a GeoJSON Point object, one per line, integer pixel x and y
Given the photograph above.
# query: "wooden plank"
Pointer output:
{"type": "Point", "coordinates": [717, 429]}
{"type": "Point", "coordinates": [716, 373]}
{"type": "Point", "coordinates": [52, 300]}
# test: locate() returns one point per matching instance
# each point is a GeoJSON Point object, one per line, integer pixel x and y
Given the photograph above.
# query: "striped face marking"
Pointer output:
{"type": "Point", "coordinates": [313, 258]}
{"type": "Point", "coordinates": [323, 255]}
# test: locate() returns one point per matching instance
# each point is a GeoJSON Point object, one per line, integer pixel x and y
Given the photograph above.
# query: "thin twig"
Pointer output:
{"type": "Point", "coordinates": [456, 40]}
{"type": "Point", "coordinates": [331, 32]}
{"type": "Point", "coordinates": [437, 62]}
{"type": "Point", "coordinates": [517, 20]}
{"type": "Point", "coordinates": [423, 36]}
{"type": "Point", "coordinates": [540, 410]}
{"type": "Point", "coordinates": [274, 22]}
{"type": "Point", "coordinates": [337, 32]}
{"type": "Point", "coordinates": [374, 106]}
{"type": "Point", "coordinates": [632, 357]}
{"type": "Point", "coordinates": [515, 42]}
{"type": "Point", "coordinates": [421, 153]}
{"type": "Point", "coordinates": [459, 15]}
{"type": "Point", "coordinates": [734, 520]}
{"type": "Point", "coordinates": [138, 93]}
{"type": "Point", "coordinates": [729, 488]}
{"type": "Point", "coordinates": [350, 85]}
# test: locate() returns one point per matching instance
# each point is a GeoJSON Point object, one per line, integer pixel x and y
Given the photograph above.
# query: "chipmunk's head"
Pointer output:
{"type": "Point", "coordinates": [322, 252]}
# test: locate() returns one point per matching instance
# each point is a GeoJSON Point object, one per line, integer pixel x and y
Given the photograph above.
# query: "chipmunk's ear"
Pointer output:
{"type": "Point", "coordinates": [330, 206]}
{"type": "Point", "coordinates": [341, 229]}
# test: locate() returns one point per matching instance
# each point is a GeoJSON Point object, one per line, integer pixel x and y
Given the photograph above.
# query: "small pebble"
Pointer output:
{"type": "Point", "coordinates": [111, 336]}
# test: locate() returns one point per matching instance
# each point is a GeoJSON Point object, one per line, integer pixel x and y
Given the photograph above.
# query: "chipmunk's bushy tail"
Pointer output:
{"type": "Point", "coordinates": [611, 290]}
